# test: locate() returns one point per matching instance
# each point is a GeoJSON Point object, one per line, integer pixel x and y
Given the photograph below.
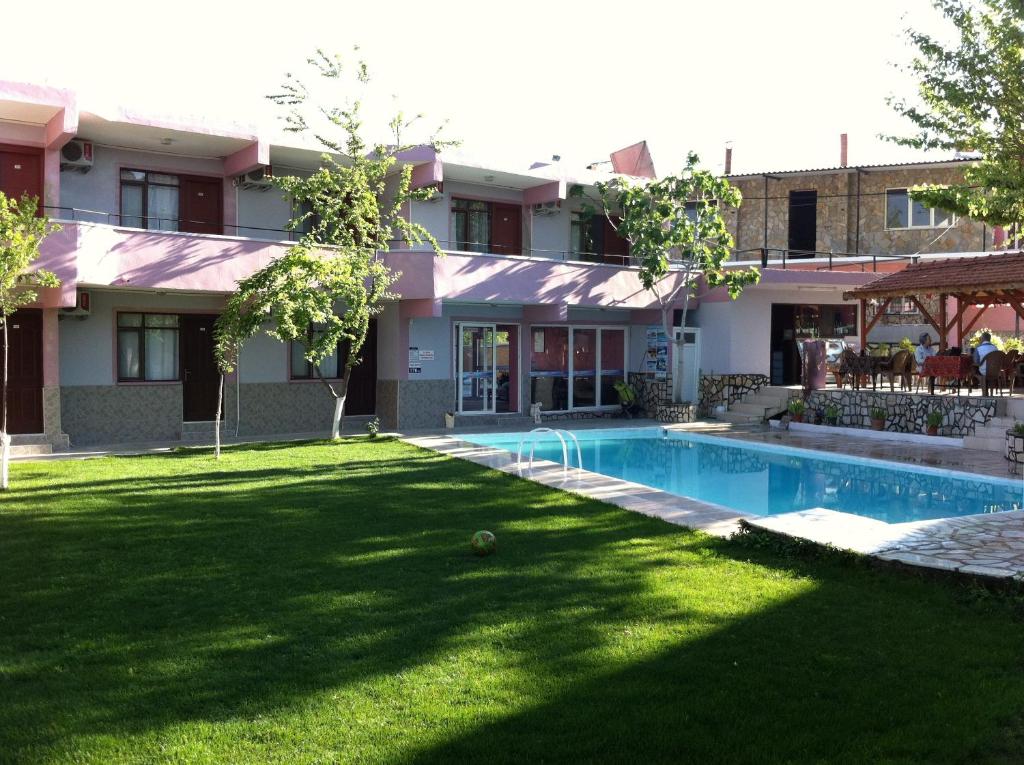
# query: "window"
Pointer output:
{"type": "Point", "coordinates": [691, 208]}
{"type": "Point", "coordinates": [147, 347]}
{"type": "Point", "coordinates": [576, 367]}
{"type": "Point", "coordinates": [903, 212]}
{"type": "Point", "coordinates": [149, 200]}
{"type": "Point", "coordinates": [900, 306]}
{"type": "Point", "coordinates": [472, 225]}
{"type": "Point", "coordinates": [301, 369]}
{"type": "Point", "coordinates": [593, 238]}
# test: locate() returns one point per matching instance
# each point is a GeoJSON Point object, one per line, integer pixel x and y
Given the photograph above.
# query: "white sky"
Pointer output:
{"type": "Point", "coordinates": [781, 79]}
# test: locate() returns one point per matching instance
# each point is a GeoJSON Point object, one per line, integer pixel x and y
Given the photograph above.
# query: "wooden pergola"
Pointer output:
{"type": "Point", "coordinates": [983, 281]}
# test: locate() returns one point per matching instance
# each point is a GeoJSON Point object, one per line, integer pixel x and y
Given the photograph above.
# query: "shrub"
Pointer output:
{"type": "Point", "coordinates": [877, 413]}
{"type": "Point", "coordinates": [934, 418]}
{"type": "Point", "coordinates": [797, 406]}
{"type": "Point", "coordinates": [907, 344]}
{"type": "Point", "coordinates": [975, 339]}
{"type": "Point", "coordinates": [373, 427]}
{"type": "Point", "coordinates": [832, 412]}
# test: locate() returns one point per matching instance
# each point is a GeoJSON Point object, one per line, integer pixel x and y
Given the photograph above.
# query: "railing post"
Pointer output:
{"type": "Point", "coordinates": [764, 257]}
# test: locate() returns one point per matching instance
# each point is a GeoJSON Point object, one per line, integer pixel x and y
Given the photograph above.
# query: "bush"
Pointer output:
{"type": "Point", "coordinates": [797, 406]}
{"type": "Point", "coordinates": [907, 344]}
{"type": "Point", "coordinates": [934, 418]}
{"type": "Point", "coordinates": [878, 413]}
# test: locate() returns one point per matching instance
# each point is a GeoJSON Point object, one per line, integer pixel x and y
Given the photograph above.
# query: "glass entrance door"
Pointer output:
{"type": "Point", "coordinates": [477, 352]}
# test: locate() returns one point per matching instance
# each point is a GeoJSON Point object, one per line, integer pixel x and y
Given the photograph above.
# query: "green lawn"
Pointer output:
{"type": "Point", "coordinates": [319, 603]}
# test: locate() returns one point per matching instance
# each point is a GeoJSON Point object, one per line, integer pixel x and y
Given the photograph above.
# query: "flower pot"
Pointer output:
{"type": "Point", "coordinates": [933, 430]}
{"type": "Point", "coordinates": [796, 416]}
{"type": "Point", "coordinates": [449, 420]}
{"type": "Point", "coordinates": [833, 421]}
{"type": "Point", "coordinates": [877, 424]}
{"type": "Point", "coordinates": [1015, 447]}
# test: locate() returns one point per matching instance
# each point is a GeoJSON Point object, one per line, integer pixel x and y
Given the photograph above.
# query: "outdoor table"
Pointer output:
{"type": "Point", "coordinates": [958, 367]}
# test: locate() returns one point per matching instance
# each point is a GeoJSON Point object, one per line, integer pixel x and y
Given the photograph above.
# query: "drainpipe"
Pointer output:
{"type": "Point", "coordinates": [765, 215]}
{"type": "Point", "coordinates": [856, 243]}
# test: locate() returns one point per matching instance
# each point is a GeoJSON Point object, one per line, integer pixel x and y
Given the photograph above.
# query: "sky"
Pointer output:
{"type": "Point", "coordinates": [780, 80]}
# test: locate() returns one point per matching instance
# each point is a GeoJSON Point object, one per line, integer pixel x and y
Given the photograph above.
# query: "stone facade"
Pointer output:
{"type": "Point", "coordinates": [655, 396]}
{"type": "Point", "coordinates": [727, 390]}
{"type": "Point", "coordinates": [906, 412]}
{"type": "Point", "coordinates": [110, 414]}
{"type": "Point", "coordinates": [837, 218]}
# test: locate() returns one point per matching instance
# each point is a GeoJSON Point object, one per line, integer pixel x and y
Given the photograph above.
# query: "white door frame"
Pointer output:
{"type": "Point", "coordinates": [677, 381]}
{"type": "Point", "coordinates": [459, 326]}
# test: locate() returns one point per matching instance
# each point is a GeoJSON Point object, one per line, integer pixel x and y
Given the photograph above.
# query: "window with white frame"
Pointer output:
{"type": "Point", "coordinates": [900, 306]}
{"type": "Point", "coordinates": [903, 212]}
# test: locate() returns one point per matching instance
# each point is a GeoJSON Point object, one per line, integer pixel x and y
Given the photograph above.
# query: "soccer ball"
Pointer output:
{"type": "Point", "coordinates": [483, 543]}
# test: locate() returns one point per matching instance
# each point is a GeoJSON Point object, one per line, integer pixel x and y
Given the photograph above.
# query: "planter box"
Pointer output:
{"type": "Point", "coordinates": [1015, 447]}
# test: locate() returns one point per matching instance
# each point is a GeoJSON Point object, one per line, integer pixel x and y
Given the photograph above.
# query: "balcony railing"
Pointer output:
{"type": "Point", "coordinates": [774, 257]}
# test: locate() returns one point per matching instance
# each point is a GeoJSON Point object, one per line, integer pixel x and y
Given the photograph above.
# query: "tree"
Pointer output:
{"type": "Point", "coordinates": [674, 226]}
{"type": "Point", "coordinates": [971, 98]}
{"type": "Point", "coordinates": [324, 290]}
{"type": "Point", "coordinates": [21, 234]}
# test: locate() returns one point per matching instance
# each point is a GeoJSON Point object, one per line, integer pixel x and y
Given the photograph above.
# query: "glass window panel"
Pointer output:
{"type": "Point", "coordinates": [613, 364]}
{"type": "Point", "coordinates": [131, 206]}
{"type": "Point", "coordinates": [166, 180]}
{"type": "Point", "coordinates": [920, 215]}
{"type": "Point", "coordinates": [329, 366]}
{"type": "Point", "coordinates": [133, 175]}
{"type": "Point", "coordinates": [129, 320]}
{"type": "Point", "coordinates": [896, 208]}
{"type": "Point", "coordinates": [549, 368]}
{"type": "Point", "coordinates": [161, 320]}
{"type": "Point", "coordinates": [128, 354]}
{"type": "Point", "coordinates": [300, 367]}
{"type": "Point", "coordinates": [584, 361]}
{"type": "Point", "coordinates": [163, 208]}
{"type": "Point", "coordinates": [944, 218]}
{"type": "Point", "coordinates": [460, 230]}
{"type": "Point", "coordinates": [479, 232]}
{"type": "Point", "coordinates": [161, 354]}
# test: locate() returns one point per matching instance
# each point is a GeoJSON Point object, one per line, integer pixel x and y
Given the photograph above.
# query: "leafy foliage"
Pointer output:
{"type": "Point", "coordinates": [21, 234]}
{"type": "Point", "coordinates": [971, 97]}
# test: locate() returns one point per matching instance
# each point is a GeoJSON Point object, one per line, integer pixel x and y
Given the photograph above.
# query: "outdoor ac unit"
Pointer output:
{"type": "Point", "coordinates": [546, 208]}
{"type": "Point", "coordinates": [259, 179]}
{"type": "Point", "coordinates": [76, 155]}
{"type": "Point", "coordinates": [83, 305]}
{"type": "Point", "coordinates": [435, 193]}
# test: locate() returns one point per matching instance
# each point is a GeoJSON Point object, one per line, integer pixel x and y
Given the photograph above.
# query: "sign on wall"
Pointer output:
{"type": "Point", "coordinates": [656, 357]}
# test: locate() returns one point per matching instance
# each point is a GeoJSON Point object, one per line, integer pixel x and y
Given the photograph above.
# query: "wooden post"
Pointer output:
{"type": "Point", "coordinates": [863, 324]}
{"type": "Point", "coordinates": [942, 323]}
{"type": "Point", "coordinates": [960, 323]}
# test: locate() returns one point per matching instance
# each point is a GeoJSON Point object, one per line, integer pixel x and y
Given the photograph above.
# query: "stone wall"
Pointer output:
{"type": "Point", "coordinates": [727, 389]}
{"type": "Point", "coordinates": [837, 221]}
{"type": "Point", "coordinates": [655, 395]}
{"type": "Point", "coordinates": [111, 414]}
{"type": "Point", "coordinates": [905, 412]}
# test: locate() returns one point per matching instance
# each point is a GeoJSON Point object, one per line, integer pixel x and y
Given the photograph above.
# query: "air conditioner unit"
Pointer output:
{"type": "Point", "coordinates": [83, 306]}
{"type": "Point", "coordinates": [259, 179]}
{"type": "Point", "coordinates": [436, 193]}
{"type": "Point", "coordinates": [76, 155]}
{"type": "Point", "coordinates": [547, 208]}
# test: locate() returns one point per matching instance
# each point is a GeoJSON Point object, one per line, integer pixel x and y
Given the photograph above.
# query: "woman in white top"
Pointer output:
{"type": "Point", "coordinates": [923, 350]}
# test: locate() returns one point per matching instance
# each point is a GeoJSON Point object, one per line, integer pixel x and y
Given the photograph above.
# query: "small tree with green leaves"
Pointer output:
{"type": "Point", "coordinates": [324, 290]}
{"type": "Point", "coordinates": [678, 237]}
{"type": "Point", "coordinates": [971, 97]}
{"type": "Point", "coordinates": [21, 234]}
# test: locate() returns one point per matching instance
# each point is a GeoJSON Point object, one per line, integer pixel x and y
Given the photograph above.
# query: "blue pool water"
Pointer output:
{"type": "Point", "coordinates": [767, 480]}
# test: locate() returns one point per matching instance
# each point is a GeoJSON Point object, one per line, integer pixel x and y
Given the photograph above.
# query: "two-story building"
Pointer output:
{"type": "Point", "coordinates": [534, 302]}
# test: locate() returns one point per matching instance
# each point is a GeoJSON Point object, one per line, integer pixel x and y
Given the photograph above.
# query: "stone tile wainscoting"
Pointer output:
{"type": "Point", "coordinates": [905, 412]}
{"type": "Point", "coordinates": [656, 398]}
{"type": "Point", "coordinates": [727, 389]}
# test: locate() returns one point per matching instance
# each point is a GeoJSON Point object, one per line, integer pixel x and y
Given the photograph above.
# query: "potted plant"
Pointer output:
{"type": "Point", "coordinates": [797, 407]}
{"type": "Point", "coordinates": [878, 418]}
{"type": "Point", "coordinates": [1015, 443]}
{"type": "Point", "coordinates": [831, 414]}
{"type": "Point", "coordinates": [934, 420]}
{"type": "Point", "coordinates": [449, 420]}
{"type": "Point", "coordinates": [373, 427]}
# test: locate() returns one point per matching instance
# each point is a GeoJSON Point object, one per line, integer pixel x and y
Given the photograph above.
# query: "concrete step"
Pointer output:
{"type": "Point", "coordinates": [742, 407]}
{"type": "Point", "coordinates": [985, 443]}
{"type": "Point", "coordinates": [739, 417]}
{"type": "Point", "coordinates": [31, 450]}
{"type": "Point", "coordinates": [766, 400]}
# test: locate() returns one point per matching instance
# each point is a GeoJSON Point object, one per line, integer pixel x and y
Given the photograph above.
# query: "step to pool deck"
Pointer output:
{"type": "Point", "coordinates": [989, 546]}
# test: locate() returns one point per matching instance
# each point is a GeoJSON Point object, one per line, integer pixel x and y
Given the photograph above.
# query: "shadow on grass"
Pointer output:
{"type": "Point", "coordinates": [137, 597]}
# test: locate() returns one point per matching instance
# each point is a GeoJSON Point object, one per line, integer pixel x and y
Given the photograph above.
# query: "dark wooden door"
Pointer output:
{"type": "Point", "coordinates": [21, 172]}
{"type": "Point", "coordinates": [201, 206]}
{"type": "Point", "coordinates": [507, 229]}
{"type": "Point", "coordinates": [198, 368]}
{"type": "Point", "coordinates": [803, 223]}
{"type": "Point", "coordinates": [785, 362]}
{"type": "Point", "coordinates": [25, 372]}
{"type": "Point", "coordinates": [362, 387]}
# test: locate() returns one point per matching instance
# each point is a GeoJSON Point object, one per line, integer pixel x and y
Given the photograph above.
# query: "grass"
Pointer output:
{"type": "Point", "coordinates": [319, 603]}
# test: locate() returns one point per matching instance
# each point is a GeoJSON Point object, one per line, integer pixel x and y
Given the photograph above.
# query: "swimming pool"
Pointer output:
{"type": "Point", "coordinates": [764, 479]}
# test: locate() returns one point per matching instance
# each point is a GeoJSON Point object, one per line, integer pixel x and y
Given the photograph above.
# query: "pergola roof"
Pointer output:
{"type": "Point", "coordinates": [992, 277]}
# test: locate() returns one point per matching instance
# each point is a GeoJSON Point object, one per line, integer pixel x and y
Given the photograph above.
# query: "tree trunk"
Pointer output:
{"type": "Point", "coordinates": [5, 438]}
{"type": "Point", "coordinates": [216, 422]}
{"type": "Point", "coordinates": [339, 404]}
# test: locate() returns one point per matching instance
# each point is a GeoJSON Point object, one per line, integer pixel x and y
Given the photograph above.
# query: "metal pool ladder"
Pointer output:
{"type": "Point", "coordinates": [564, 437]}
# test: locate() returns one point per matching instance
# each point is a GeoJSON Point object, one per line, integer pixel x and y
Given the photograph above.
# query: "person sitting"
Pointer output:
{"type": "Point", "coordinates": [982, 351]}
{"type": "Point", "coordinates": [924, 350]}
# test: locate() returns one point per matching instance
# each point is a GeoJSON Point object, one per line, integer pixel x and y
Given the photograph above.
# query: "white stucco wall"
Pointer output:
{"type": "Point", "coordinates": [432, 335]}
{"type": "Point", "coordinates": [263, 214]}
{"type": "Point", "coordinates": [736, 334]}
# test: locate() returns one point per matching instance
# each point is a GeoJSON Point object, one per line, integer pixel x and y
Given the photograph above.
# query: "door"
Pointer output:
{"type": "Point", "coordinates": [25, 373]}
{"type": "Point", "coordinates": [201, 200]}
{"type": "Point", "coordinates": [362, 386]}
{"type": "Point", "coordinates": [199, 368]}
{"type": "Point", "coordinates": [685, 384]}
{"type": "Point", "coordinates": [21, 172]}
{"type": "Point", "coordinates": [476, 367]}
{"type": "Point", "coordinates": [803, 223]}
{"type": "Point", "coordinates": [507, 229]}
{"type": "Point", "coordinates": [785, 366]}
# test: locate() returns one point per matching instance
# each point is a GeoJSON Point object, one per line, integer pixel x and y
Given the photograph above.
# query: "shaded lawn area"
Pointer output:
{"type": "Point", "coordinates": [319, 603]}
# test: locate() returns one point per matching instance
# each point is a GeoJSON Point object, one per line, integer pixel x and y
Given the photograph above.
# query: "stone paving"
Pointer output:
{"type": "Point", "coordinates": [987, 545]}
